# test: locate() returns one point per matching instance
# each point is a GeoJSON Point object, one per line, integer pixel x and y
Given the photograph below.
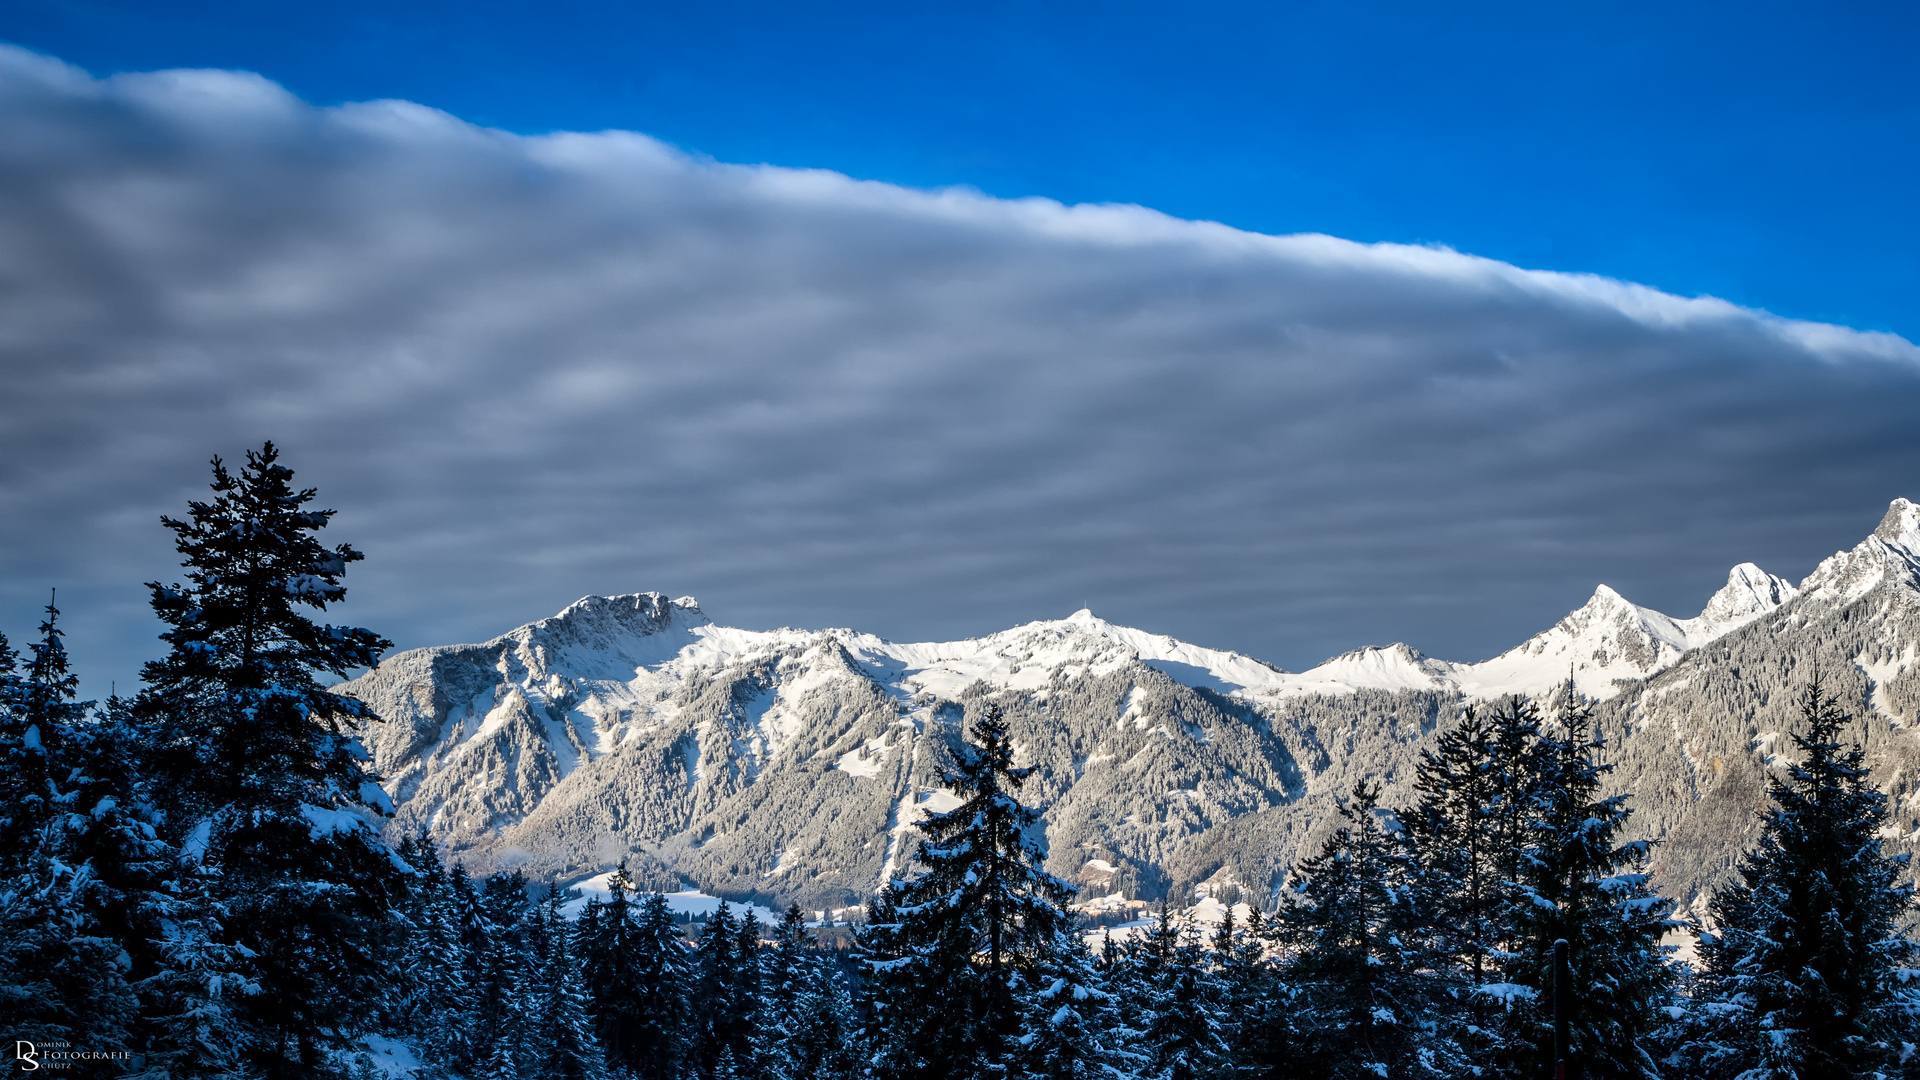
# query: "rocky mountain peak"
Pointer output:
{"type": "Point", "coordinates": [1749, 591]}
{"type": "Point", "coordinates": [1892, 553]}
{"type": "Point", "coordinates": [1900, 528]}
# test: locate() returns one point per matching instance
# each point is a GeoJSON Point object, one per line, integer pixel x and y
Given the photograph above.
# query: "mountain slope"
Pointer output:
{"type": "Point", "coordinates": [791, 764]}
{"type": "Point", "coordinates": [1697, 739]}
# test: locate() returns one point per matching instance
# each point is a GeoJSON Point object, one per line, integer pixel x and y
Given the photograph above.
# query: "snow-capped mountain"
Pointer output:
{"type": "Point", "coordinates": [792, 764]}
{"type": "Point", "coordinates": [1607, 641]}
{"type": "Point", "coordinates": [1697, 739]}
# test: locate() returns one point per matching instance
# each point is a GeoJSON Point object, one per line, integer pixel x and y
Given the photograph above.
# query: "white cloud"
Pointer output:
{"type": "Point", "coordinates": [529, 368]}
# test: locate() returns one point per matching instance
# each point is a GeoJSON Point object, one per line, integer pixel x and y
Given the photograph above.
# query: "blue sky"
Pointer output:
{"type": "Point", "coordinates": [1763, 153]}
{"type": "Point", "coordinates": [527, 365]}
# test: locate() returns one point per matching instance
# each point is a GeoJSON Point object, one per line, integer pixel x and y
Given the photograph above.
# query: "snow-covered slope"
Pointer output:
{"type": "Point", "coordinates": [792, 764]}
{"type": "Point", "coordinates": [1610, 640]}
{"type": "Point", "coordinates": [1697, 741]}
{"type": "Point", "coordinates": [1606, 641]}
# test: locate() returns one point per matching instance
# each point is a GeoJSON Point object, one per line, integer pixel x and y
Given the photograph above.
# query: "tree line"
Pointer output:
{"type": "Point", "coordinates": [194, 883]}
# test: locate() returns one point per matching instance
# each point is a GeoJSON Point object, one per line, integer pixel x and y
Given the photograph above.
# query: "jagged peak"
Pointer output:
{"type": "Point", "coordinates": [1892, 552]}
{"type": "Point", "coordinates": [654, 604]}
{"type": "Point", "coordinates": [1749, 591]}
{"type": "Point", "coordinates": [1901, 526]}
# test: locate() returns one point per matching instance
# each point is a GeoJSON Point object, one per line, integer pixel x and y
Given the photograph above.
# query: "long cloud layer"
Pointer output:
{"type": "Point", "coordinates": [528, 368]}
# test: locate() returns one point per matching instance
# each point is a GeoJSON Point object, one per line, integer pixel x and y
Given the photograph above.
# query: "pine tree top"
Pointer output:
{"type": "Point", "coordinates": [241, 719]}
{"type": "Point", "coordinates": [252, 564]}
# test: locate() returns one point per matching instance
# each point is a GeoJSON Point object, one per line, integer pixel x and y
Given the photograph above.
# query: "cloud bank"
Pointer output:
{"type": "Point", "coordinates": [528, 368]}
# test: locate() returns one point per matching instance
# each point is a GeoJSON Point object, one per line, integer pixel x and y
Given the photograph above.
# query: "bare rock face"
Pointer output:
{"type": "Point", "coordinates": [793, 764]}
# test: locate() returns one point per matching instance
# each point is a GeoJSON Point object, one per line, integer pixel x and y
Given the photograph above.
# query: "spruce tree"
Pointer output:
{"type": "Point", "coordinates": [430, 998]}
{"type": "Point", "coordinates": [263, 779]}
{"type": "Point", "coordinates": [76, 856]}
{"type": "Point", "coordinates": [982, 912]}
{"type": "Point", "coordinates": [1264, 1042]}
{"type": "Point", "coordinates": [1184, 1036]}
{"type": "Point", "coordinates": [562, 1039]}
{"type": "Point", "coordinates": [825, 1042]}
{"type": "Point", "coordinates": [1241, 969]}
{"type": "Point", "coordinates": [886, 982]}
{"type": "Point", "coordinates": [785, 997]}
{"type": "Point", "coordinates": [1463, 853]}
{"type": "Point", "coordinates": [192, 1003]}
{"type": "Point", "coordinates": [720, 1005]}
{"type": "Point", "coordinates": [753, 1046]}
{"type": "Point", "coordinates": [1067, 1020]}
{"type": "Point", "coordinates": [637, 977]}
{"type": "Point", "coordinates": [1347, 917]}
{"type": "Point", "coordinates": [1580, 880]}
{"type": "Point", "coordinates": [1802, 970]}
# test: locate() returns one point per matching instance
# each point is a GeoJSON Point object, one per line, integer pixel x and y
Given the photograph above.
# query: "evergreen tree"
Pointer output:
{"type": "Point", "coordinates": [786, 990]}
{"type": "Point", "coordinates": [720, 1005]}
{"type": "Point", "coordinates": [76, 856]}
{"type": "Point", "coordinates": [436, 1004]}
{"type": "Point", "coordinates": [263, 780]}
{"type": "Point", "coordinates": [754, 1047]}
{"type": "Point", "coordinates": [1802, 972]}
{"type": "Point", "coordinates": [886, 982]}
{"type": "Point", "coordinates": [983, 911]}
{"type": "Point", "coordinates": [192, 1001]}
{"type": "Point", "coordinates": [1067, 1020]}
{"type": "Point", "coordinates": [1184, 1033]}
{"type": "Point", "coordinates": [1582, 882]}
{"type": "Point", "coordinates": [563, 1040]}
{"type": "Point", "coordinates": [1135, 974]}
{"type": "Point", "coordinates": [637, 975]}
{"type": "Point", "coordinates": [1255, 1004]}
{"type": "Point", "coordinates": [37, 712]}
{"type": "Point", "coordinates": [501, 1022]}
{"type": "Point", "coordinates": [1466, 864]}
{"type": "Point", "coordinates": [825, 1039]}
{"type": "Point", "coordinates": [1264, 1039]}
{"type": "Point", "coordinates": [1348, 911]}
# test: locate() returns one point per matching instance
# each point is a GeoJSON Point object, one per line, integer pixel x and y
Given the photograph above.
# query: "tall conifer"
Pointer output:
{"type": "Point", "coordinates": [982, 911]}
{"type": "Point", "coordinates": [1582, 881]}
{"type": "Point", "coordinates": [1803, 974]}
{"type": "Point", "coordinates": [263, 777]}
{"type": "Point", "coordinates": [1347, 917]}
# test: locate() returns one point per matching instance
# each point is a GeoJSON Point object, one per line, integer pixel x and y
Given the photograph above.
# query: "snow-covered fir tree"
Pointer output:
{"type": "Point", "coordinates": [1466, 858]}
{"type": "Point", "coordinates": [1804, 968]}
{"type": "Point", "coordinates": [1183, 1036]}
{"type": "Point", "coordinates": [1067, 1020]}
{"type": "Point", "coordinates": [1249, 991]}
{"type": "Point", "coordinates": [191, 1002]}
{"type": "Point", "coordinates": [638, 979]}
{"type": "Point", "coordinates": [981, 912]}
{"type": "Point", "coordinates": [561, 1043]}
{"type": "Point", "coordinates": [1348, 918]}
{"type": "Point", "coordinates": [1580, 880]}
{"type": "Point", "coordinates": [434, 1002]}
{"type": "Point", "coordinates": [73, 853]}
{"type": "Point", "coordinates": [825, 1044]}
{"type": "Point", "coordinates": [723, 1009]}
{"type": "Point", "coordinates": [261, 777]}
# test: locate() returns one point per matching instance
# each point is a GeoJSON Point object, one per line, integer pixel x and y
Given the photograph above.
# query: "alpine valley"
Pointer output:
{"type": "Point", "coordinates": [791, 765]}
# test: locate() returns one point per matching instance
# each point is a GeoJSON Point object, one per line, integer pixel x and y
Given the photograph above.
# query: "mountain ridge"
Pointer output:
{"type": "Point", "coordinates": [792, 763]}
